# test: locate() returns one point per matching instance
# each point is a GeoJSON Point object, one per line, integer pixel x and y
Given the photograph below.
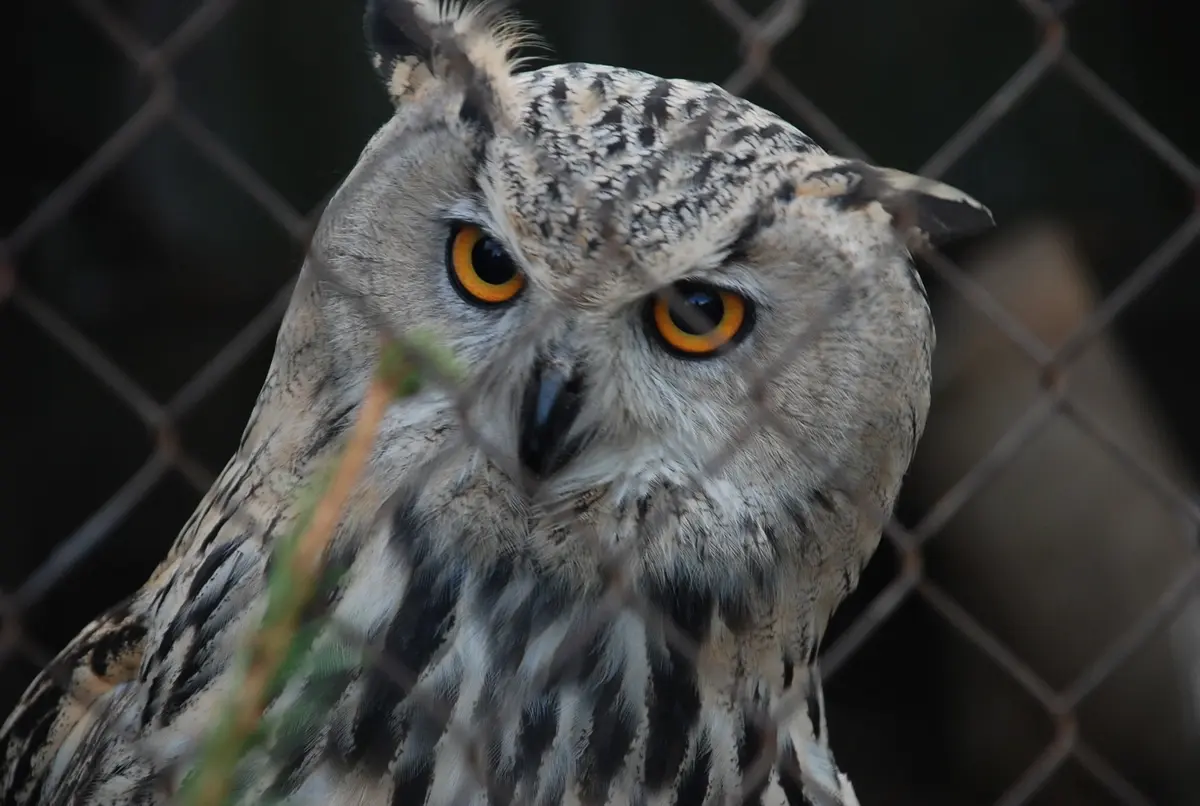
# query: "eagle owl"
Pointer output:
{"type": "Point", "coordinates": [689, 338]}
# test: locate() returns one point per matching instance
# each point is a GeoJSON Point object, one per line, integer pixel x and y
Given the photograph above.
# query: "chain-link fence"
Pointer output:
{"type": "Point", "coordinates": [758, 35]}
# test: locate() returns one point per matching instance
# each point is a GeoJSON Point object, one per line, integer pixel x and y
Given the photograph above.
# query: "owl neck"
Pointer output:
{"type": "Point", "coordinates": [302, 409]}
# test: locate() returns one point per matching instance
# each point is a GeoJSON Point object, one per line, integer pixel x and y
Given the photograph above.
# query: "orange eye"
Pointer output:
{"type": "Point", "coordinates": [480, 270]}
{"type": "Point", "coordinates": [698, 319]}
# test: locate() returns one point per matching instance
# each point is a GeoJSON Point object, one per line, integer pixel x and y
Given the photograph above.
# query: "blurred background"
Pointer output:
{"type": "Point", "coordinates": [1033, 637]}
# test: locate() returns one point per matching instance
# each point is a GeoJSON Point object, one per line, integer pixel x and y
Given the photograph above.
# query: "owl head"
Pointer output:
{"type": "Point", "coordinates": [680, 321]}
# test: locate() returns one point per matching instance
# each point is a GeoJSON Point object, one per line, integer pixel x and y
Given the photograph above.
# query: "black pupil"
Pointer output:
{"type": "Point", "coordinates": [704, 310]}
{"type": "Point", "coordinates": [491, 262]}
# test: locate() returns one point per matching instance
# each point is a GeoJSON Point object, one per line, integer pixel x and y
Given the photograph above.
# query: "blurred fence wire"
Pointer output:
{"type": "Point", "coordinates": [758, 36]}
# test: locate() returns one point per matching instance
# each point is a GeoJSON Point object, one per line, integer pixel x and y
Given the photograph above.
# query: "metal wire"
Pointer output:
{"type": "Point", "coordinates": [758, 36]}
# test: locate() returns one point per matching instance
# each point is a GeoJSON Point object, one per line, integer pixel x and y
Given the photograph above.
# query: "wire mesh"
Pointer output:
{"type": "Point", "coordinates": [759, 35]}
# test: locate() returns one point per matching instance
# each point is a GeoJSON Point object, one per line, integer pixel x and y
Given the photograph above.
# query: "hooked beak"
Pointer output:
{"type": "Point", "coordinates": [548, 409]}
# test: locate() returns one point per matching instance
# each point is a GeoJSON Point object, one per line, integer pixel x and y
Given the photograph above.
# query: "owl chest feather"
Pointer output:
{"type": "Point", "coordinates": [476, 685]}
{"type": "Point", "coordinates": [490, 681]}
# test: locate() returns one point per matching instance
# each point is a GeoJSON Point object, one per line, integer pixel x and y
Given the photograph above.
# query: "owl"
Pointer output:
{"type": "Point", "coordinates": [695, 363]}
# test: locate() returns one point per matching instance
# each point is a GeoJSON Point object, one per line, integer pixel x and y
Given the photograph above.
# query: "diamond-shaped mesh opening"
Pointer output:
{"type": "Point", "coordinates": [190, 287]}
{"type": "Point", "coordinates": [1055, 153]}
{"type": "Point", "coordinates": [58, 467]}
{"type": "Point", "coordinates": [301, 118]}
{"type": "Point", "coordinates": [50, 140]}
{"type": "Point", "coordinates": [857, 74]}
{"type": "Point", "coordinates": [1099, 35]}
{"type": "Point", "coordinates": [973, 728]}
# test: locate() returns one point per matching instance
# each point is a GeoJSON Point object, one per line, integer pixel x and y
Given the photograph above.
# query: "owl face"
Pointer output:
{"type": "Point", "coordinates": [664, 299]}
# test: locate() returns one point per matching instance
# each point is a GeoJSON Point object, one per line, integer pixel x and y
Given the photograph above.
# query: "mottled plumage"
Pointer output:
{"type": "Point", "coordinates": [470, 568]}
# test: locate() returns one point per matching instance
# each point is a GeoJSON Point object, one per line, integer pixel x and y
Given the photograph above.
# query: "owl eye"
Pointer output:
{"type": "Point", "coordinates": [480, 270]}
{"type": "Point", "coordinates": [712, 318]}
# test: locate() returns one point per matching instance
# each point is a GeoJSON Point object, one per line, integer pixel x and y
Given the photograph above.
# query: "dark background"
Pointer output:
{"type": "Point", "coordinates": [163, 259]}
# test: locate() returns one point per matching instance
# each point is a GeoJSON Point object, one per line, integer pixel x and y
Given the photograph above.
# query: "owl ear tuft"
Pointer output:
{"type": "Point", "coordinates": [419, 45]}
{"type": "Point", "coordinates": [938, 212]}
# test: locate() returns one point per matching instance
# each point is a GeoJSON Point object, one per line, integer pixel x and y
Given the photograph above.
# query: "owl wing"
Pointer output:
{"type": "Point", "coordinates": [63, 701]}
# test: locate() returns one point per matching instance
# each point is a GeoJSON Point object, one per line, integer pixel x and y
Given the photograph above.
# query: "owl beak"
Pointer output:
{"type": "Point", "coordinates": [548, 410]}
